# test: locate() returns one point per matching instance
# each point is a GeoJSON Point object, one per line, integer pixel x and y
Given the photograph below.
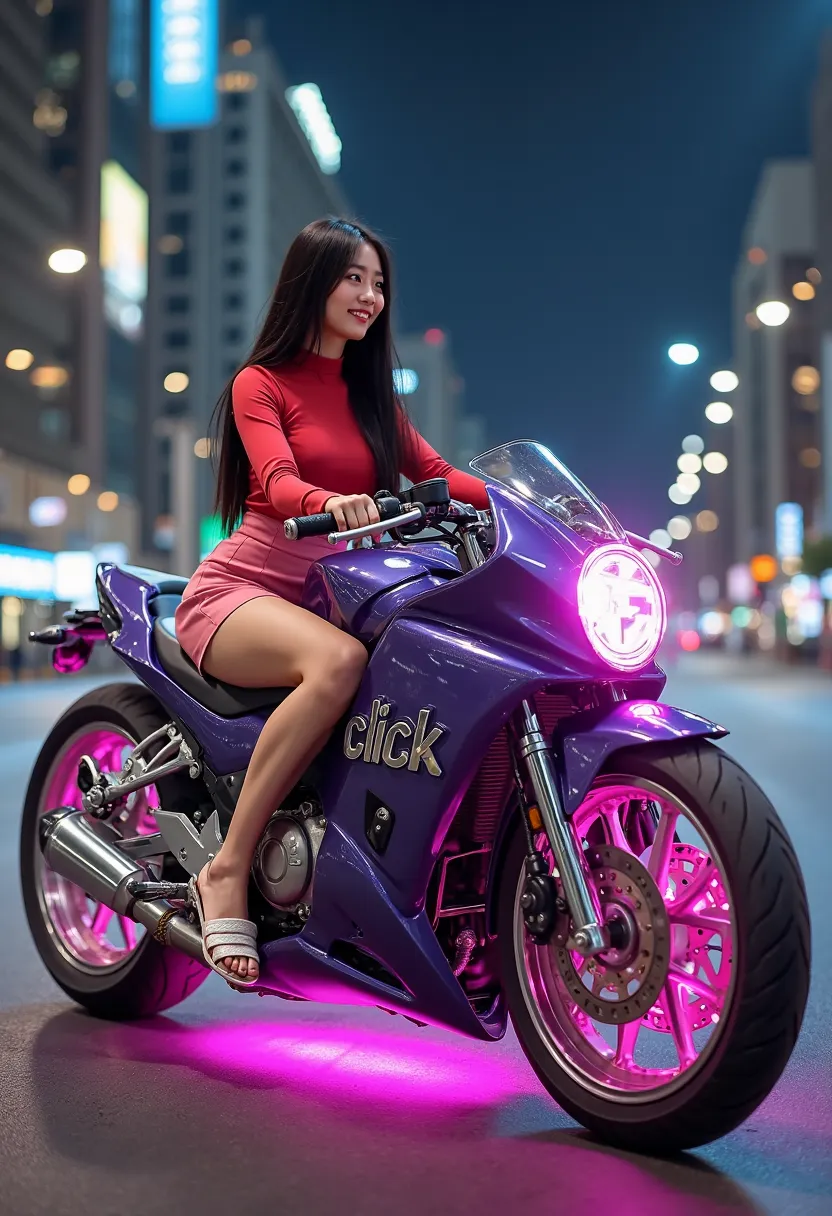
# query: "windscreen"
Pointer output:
{"type": "Point", "coordinates": [532, 471]}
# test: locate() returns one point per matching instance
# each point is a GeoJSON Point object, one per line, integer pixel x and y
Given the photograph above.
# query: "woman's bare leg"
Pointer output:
{"type": "Point", "coordinates": [270, 643]}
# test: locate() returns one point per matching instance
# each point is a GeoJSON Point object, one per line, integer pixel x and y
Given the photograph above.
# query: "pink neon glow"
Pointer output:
{"type": "Point", "coordinates": [378, 1066]}
{"type": "Point", "coordinates": [622, 606]}
{"type": "Point", "coordinates": [689, 640]}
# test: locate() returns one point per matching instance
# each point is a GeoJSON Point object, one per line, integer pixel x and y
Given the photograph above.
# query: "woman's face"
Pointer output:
{"type": "Point", "coordinates": [358, 299]}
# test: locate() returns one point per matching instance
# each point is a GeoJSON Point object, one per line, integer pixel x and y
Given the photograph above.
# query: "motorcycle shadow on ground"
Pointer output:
{"type": "Point", "coordinates": [368, 1120]}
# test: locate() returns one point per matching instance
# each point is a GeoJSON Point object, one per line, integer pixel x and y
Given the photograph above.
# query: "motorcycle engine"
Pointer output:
{"type": "Point", "coordinates": [284, 861]}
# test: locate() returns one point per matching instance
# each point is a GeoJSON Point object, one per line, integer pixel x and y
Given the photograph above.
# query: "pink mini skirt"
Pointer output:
{"type": "Point", "coordinates": [255, 560]}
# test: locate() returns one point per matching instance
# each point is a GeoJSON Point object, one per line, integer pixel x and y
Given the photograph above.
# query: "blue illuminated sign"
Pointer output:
{"type": "Point", "coordinates": [788, 530]}
{"type": "Point", "coordinates": [27, 573]}
{"type": "Point", "coordinates": [184, 48]}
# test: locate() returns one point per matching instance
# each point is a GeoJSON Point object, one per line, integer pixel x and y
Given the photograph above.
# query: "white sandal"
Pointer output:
{"type": "Point", "coordinates": [224, 937]}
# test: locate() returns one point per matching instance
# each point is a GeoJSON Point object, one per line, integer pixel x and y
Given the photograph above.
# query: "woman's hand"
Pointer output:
{"type": "Point", "coordinates": [352, 510]}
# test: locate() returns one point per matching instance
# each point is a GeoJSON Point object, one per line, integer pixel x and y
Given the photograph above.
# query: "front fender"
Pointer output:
{"type": "Point", "coordinates": [587, 740]}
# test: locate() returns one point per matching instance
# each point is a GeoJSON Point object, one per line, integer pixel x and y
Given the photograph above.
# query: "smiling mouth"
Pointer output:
{"type": "Point", "coordinates": [360, 314]}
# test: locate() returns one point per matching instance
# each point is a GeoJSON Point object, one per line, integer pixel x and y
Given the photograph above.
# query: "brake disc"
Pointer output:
{"type": "Point", "coordinates": [620, 985]}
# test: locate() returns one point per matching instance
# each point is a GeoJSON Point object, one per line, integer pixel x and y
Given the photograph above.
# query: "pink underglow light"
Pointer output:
{"type": "Point", "coordinates": [381, 1067]}
{"type": "Point", "coordinates": [622, 606]}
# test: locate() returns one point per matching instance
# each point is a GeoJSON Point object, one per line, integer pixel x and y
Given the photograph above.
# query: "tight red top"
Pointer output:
{"type": "Point", "coordinates": [305, 445]}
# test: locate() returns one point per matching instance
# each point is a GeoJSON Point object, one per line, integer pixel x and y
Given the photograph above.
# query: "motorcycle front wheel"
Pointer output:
{"type": "Point", "coordinates": [675, 1038]}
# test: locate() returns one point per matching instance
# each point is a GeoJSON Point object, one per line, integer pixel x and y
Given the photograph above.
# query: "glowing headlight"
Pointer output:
{"type": "Point", "coordinates": [622, 606]}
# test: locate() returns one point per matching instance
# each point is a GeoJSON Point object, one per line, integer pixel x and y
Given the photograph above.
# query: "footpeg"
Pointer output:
{"type": "Point", "coordinates": [158, 890]}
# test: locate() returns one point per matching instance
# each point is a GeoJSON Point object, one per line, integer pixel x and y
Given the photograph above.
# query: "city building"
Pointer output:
{"type": "Point", "coordinates": [228, 199]}
{"type": "Point", "coordinates": [432, 392]}
{"type": "Point", "coordinates": [822, 158]}
{"type": "Point", "coordinates": [72, 288]}
{"type": "Point", "coordinates": [776, 452]}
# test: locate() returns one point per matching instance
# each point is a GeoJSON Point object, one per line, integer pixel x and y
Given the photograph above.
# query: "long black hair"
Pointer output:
{"type": "Point", "coordinates": [317, 260]}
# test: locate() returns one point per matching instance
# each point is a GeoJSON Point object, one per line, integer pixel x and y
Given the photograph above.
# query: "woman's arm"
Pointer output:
{"type": "Point", "coordinates": [421, 462]}
{"type": "Point", "coordinates": [257, 414]}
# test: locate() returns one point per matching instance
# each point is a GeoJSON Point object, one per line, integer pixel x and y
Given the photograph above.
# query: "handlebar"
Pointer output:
{"type": "Point", "coordinates": [301, 526]}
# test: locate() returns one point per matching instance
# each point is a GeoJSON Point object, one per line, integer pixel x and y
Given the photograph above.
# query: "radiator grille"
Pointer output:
{"type": "Point", "coordinates": [489, 792]}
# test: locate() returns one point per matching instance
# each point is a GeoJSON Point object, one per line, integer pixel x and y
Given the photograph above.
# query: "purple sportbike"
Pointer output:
{"type": "Point", "coordinates": [507, 822]}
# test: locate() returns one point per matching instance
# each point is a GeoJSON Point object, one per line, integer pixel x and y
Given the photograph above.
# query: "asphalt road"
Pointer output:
{"type": "Point", "coordinates": [233, 1104]}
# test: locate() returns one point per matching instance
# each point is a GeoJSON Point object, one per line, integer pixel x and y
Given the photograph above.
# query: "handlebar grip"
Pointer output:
{"type": "Point", "coordinates": [310, 525]}
{"type": "Point", "coordinates": [321, 525]}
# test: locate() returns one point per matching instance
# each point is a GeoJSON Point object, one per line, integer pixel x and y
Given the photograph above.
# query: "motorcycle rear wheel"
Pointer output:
{"type": "Point", "coordinates": [107, 964]}
{"type": "Point", "coordinates": [719, 1033]}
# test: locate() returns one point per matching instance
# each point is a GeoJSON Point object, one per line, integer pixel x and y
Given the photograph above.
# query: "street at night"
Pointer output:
{"type": "Point", "coordinates": [231, 1103]}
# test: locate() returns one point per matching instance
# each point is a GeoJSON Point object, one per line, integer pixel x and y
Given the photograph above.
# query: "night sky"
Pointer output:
{"type": "Point", "coordinates": [564, 187]}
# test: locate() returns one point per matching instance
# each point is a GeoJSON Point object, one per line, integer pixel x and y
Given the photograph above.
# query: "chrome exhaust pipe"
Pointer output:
{"type": "Point", "coordinates": [84, 855]}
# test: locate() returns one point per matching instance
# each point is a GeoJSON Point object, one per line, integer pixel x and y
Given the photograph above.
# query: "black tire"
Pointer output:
{"type": "Point", "coordinates": [771, 961]}
{"type": "Point", "coordinates": [154, 977]}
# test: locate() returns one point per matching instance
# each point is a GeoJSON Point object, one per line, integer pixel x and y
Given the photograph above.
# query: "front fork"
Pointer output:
{"type": "Point", "coordinates": [590, 935]}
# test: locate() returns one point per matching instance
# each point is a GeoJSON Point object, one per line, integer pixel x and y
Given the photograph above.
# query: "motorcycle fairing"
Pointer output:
{"type": "Point", "coordinates": [583, 743]}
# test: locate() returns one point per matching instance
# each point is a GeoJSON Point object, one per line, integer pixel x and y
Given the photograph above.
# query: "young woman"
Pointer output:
{"type": "Point", "coordinates": [310, 423]}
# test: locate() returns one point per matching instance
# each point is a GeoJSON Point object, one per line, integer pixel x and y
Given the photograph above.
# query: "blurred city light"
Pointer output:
{"type": "Point", "coordinates": [693, 443]}
{"type": "Point", "coordinates": [689, 640]}
{"type": "Point", "coordinates": [707, 521]}
{"type": "Point", "coordinates": [202, 448]}
{"type": "Point", "coordinates": [683, 353]}
{"type": "Point", "coordinates": [689, 462]}
{"type": "Point", "coordinates": [405, 380]}
{"type": "Point", "coordinates": [678, 496]}
{"type": "Point", "coordinates": [78, 483]}
{"type": "Point", "coordinates": [170, 244]}
{"type": "Point", "coordinates": [237, 82]}
{"type": "Point", "coordinates": [724, 382]}
{"type": "Point", "coordinates": [67, 261]}
{"type": "Point", "coordinates": [773, 312]}
{"type": "Point", "coordinates": [184, 51]}
{"type": "Point", "coordinates": [49, 376]}
{"type": "Point", "coordinates": [176, 382]}
{"type": "Point", "coordinates": [806, 380]}
{"type": "Point", "coordinates": [810, 458]}
{"type": "Point", "coordinates": [679, 527]}
{"type": "Point", "coordinates": [47, 512]}
{"type": "Point", "coordinates": [434, 337]}
{"type": "Point", "coordinates": [107, 500]}
{"type": "Point", "coordinates": [124, 227]}
{"type": "Point", "coordinates": [752, 320]}
{"type": "Point", "coordinates": [688, 482]}
{"type": "Point", "coordinates": [813, 275]}
{"type": "Point", "coordinates": [19, 359]}
{"type": "Point", "coordinates": [757, 256]}
{"type": "Point", "coordinates": [661, 537]}
{"type": "Point", "coordinates": [240, 46]}
{"type": "Point", "coordinates": [715, 462]}
{"type": "Point", "coordinates": [763, 568]}
{"type": "Point", "coordinates": [313, 116]}
{"type": "Point", "coordinates": [803, 291]}
{"type": "Point", "coordinates": [719, 412]}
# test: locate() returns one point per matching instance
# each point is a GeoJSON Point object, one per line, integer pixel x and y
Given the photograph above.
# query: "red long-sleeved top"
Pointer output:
{"type": "Point", "coordinates": [305, 445]}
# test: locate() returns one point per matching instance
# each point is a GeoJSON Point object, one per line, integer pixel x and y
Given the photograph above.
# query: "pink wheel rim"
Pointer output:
{"type": "Point", "coordinates": [643, 1059]}
{"type": "Point", "coordinates": [89, 934]}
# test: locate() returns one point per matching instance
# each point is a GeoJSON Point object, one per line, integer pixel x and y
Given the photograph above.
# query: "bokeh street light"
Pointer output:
{"type": "Point", "coordinates": [661, 537]}
{"type": "Point", "coordinates": [689, 482]}
{"type": "Point", "coordinates": [707, 521]}
{"type": "Point", "coordinates": [680, 527]}
{"type": "Point", "coordinates": [19, 360]}
{"type": "Point", "coordinates": [724, 382]}
{"type": "Point", "coordinates": [78, 484]}
{"type": "Point", "coordinates": [689, 462]}
{"type": "Point", "coordinates": [67, 261]}
{"type": "Point", "coordinates": [773, 312]}
{"type": "Point", "coordinates": [803, 291]}
{"type": "Point", "coordinates": [805, 380]}
{"type": "Point", "coordinates": [715, 462]}
{"type": "Point", "coordinates": [693, 443]}
{"type": "Point", "coordinates": [719, 412]}
{"type": "Point", "coordinates": [176, 382]}
{"type": "Point", "coordinates": [678, 496]}
{"type": "Point", "coordinates": [683, 353]}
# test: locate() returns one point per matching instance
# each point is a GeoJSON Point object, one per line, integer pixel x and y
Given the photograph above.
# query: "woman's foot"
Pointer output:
{"type": "Point", "coordinates": [224, 894]}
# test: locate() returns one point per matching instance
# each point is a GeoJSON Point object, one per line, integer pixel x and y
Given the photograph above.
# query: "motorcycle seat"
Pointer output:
{"type": "Point", "coordinates": [227, 700]}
